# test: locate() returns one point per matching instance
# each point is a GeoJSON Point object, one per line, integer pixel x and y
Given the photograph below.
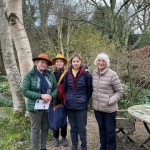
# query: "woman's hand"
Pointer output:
{"type": "Point", "coordinates": [46, 97]}
{"type": "Point", "coordinates": [111, 102]}
{"type": "Point", "coordinates": [87, 70]}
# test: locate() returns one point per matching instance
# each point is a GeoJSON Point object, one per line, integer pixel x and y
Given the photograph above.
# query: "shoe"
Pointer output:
{"type": "Point", "coordinates": [73, 148]}
{"type": "Point", "coordinates": [56, 142]}
{"type": "Point", "coordinates": [64, 142]}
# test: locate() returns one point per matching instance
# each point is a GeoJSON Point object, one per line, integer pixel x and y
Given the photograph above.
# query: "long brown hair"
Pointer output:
{"type": "Point", "coordinates": [73, 56]}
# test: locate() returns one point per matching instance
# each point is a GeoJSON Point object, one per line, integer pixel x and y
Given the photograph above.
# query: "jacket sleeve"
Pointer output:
{"type": "Point", "coordinates": [89, 85]}
{"type": "Point", "coordinates": [118, 89]}
{"type": "Point", "coordinates": [26, 88]}
{"type": "Point", "coordinates": [65, 82]}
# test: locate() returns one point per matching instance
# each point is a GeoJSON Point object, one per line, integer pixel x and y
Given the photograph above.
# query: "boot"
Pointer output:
{"type": "Point", "coordinates": [56, 142]}
{"type": "Point", "coordinates": [74, 148]}
{"type": "Point", "coordinates": [64, 142]}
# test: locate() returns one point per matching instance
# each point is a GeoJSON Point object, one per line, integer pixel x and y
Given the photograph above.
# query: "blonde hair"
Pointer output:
{"type": "Point", "coordinates": [104, 57]}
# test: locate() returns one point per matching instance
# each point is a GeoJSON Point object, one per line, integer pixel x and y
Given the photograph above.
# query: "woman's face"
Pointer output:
{"type": "Point", "coordinates": [101, 64]}
{"type": "Point", "coordinates": [42, 65]}
{"type": "Point", "coordinates": [76, 63]}
{"type": "Point", "coordinates": [59, 64]}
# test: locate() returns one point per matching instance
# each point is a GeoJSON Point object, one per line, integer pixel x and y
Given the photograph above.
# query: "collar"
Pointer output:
{"type": "Point", "coordinates": [102, 72]}
{"type": "Point", "coordinates": [74, 72]}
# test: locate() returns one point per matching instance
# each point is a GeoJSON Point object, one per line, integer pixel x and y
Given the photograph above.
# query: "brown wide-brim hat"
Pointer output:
{"type": "Point", "coordinates": [43, 56]}
{"type": "Point", "coordinates": [59, 56]}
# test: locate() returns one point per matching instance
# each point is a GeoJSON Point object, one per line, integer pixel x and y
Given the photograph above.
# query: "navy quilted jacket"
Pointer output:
{"type": "Point", "coordinates": [78, 90]}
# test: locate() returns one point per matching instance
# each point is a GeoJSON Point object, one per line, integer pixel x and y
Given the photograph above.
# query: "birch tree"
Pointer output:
{"type": "Point", "coordinates": [20, 38]}
{"type": "Point", "coordinates": [12, 27]}
{"type": "Point", "coordinates": [11, 68]}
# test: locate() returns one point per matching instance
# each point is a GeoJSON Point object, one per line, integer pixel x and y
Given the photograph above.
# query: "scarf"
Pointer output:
{"type": "Point", "coordinates": [43, 83]}
{"type": "Point", "coordinates": [58, 73]}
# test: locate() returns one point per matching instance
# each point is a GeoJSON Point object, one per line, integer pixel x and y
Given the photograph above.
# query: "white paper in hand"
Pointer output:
{"type": "Point", "coordinates": [40, 104]}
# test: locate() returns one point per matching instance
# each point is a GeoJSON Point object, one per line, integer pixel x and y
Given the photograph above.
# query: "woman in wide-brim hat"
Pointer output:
{"type": "Point", "coordinates": [43, 56]}
{"type": "Point", "coordinates": [59, 70]}
{"type": "Point", "coordinates": [39, 83]}
{"type": "Point", "coordinates": [60, 56]}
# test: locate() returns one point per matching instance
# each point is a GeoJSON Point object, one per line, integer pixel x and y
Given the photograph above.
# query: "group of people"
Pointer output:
{"type": "Point", "coordinates": [103, 85]}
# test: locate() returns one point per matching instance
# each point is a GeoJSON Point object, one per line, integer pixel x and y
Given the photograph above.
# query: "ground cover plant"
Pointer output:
{"type": "Point", "coordinates": [14, 131]}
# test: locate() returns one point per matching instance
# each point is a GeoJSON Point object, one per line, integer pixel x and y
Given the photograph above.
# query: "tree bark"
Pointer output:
{"type": "Point", "coordinates": [10, 65]}
{"type": "Point", "coordinates": [20, 37]}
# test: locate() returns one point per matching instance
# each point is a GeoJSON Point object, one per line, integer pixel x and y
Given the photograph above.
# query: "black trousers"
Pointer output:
{"type": "Point", "coordinates": [63, 132]}
{"type": "Point", "coordinates": [78, 122]}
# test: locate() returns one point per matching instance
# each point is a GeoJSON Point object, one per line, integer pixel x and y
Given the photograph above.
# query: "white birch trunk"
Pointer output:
{"type": "Point", "coordinates": [11, 68]}
{"type": "Point", "coordinates": [20, 37]}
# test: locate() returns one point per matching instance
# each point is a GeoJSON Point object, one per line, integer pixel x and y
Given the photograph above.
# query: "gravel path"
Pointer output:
{"type": "Point", "coordinates": [139, 135]}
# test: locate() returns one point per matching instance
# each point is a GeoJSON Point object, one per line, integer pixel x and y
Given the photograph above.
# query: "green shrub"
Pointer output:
{"type": "Point", "coordinates": [4, 86]}
{"type": "Point", "coordinates": [5, 102]}
{"type": "Point", "coordinates": [133, 95]}
{"type": "Point", "coordinates": [3, 78]}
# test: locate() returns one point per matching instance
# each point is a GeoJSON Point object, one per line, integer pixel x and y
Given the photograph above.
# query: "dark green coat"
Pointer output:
{"type": "Point", "coordinates": [31, 91]}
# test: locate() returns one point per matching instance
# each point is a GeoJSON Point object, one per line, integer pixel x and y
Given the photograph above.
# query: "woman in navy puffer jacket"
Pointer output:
{"type": "Point", "coordinates": [78, 88]}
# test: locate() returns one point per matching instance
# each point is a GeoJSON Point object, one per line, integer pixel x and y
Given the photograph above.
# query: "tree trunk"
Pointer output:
{"type": "Point", "coordinates": [2, 69]}
{"type": "Point", "coordinates": [11, 68]}
{"type": "Point", "coordinates": [60, 37]}
{"type": "Point", "coordinates": [20, 37]}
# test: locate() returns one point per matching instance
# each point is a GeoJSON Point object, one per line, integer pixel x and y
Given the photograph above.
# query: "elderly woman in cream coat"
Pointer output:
{"type": "Point", "coordinates": [107, 90]}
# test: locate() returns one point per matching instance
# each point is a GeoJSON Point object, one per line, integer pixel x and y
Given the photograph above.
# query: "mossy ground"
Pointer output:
{"type": "Point", "coordinates": [14, 130]}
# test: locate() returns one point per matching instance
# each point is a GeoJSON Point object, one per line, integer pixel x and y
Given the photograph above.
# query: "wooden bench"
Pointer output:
{"type": "Point", "coordinates": [125, 126]}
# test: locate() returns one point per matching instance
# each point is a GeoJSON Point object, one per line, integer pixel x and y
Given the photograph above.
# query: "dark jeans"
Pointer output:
{"type": "Point", "coordinates": [107, 129]}
{"type": "Point", "coordinates": [78, 122]}
{"type": "Point", "coordinates": [63, 132]}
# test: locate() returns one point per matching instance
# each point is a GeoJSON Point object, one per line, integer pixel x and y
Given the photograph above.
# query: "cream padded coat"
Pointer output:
{"type": "Point", "coordinates": [106, 87]}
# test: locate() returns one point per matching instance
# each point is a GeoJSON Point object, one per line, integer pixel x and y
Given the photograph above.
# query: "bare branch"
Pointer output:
{"type": "Point", "coordinates": [122, 6]}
